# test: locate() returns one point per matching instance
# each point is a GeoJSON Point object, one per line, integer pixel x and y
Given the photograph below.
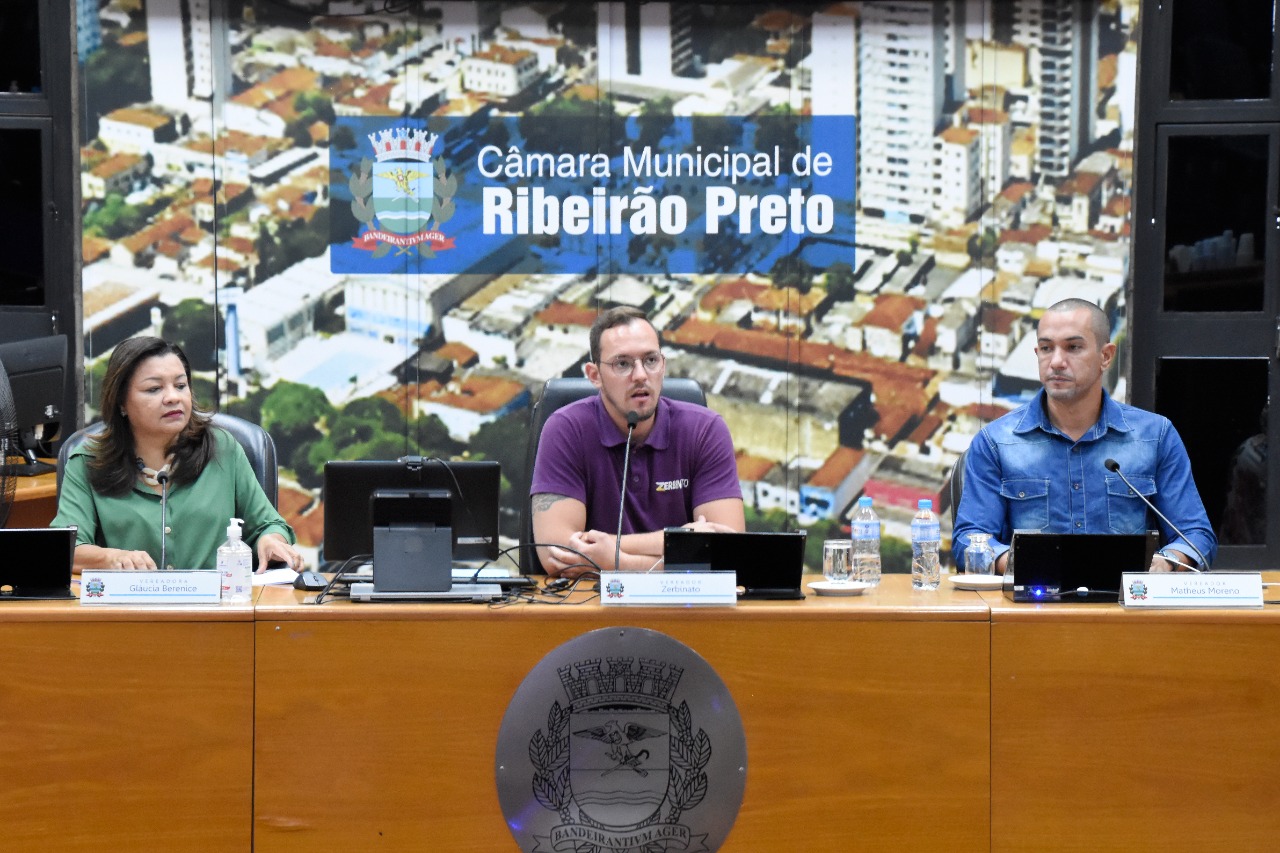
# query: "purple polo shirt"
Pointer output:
{"type": "Point", "coordinates": [687, 460]}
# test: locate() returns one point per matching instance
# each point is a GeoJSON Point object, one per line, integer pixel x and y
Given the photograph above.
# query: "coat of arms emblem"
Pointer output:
{"type": "Point", "coordinates": [404, 195]}
{"type": "Point", "coordinates": [621, 763]}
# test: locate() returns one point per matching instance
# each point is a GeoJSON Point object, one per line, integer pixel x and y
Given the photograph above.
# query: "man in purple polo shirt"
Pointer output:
{"type": "Point", "coordinates": [682, 471]}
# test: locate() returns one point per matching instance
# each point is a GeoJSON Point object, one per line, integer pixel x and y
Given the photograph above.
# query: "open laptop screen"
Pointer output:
{"type": "Point", "coordinates": [1053, 566]}
{"type": "Point", "coordinates": [769, 565]}
{"type": "Point", "coordinates": [36, 562]}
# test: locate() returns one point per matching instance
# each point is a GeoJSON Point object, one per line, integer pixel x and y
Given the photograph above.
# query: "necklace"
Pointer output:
{"type": "Point", "coordinates": [151, 476]}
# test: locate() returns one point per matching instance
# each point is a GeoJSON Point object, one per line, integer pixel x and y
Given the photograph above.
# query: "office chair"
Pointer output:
{"type": "Point", "coordinates": [560, 392]}
{"type": "Point", "coordinates": [255, 440]}
{"type": "Point", "coordinates": [957, 485]}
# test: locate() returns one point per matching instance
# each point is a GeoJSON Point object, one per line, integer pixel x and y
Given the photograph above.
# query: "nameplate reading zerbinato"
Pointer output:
{"type": "Point", "coordinates": [668, 588]}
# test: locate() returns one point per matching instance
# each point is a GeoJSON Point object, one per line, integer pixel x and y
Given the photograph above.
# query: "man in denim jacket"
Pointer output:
{"type": "Point", "coordinates": [1042, 466]}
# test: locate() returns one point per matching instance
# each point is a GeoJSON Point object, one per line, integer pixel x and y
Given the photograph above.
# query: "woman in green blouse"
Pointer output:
{"type": "Point", "coordinates": [111, 484]}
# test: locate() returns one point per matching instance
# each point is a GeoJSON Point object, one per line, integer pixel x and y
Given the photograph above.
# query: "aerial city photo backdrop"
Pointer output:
{"type": "Point", "coordinates": [378, 233]}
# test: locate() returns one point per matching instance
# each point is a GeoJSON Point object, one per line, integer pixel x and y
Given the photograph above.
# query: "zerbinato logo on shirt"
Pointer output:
{"type": "Point", "coordinates": [672, 485]}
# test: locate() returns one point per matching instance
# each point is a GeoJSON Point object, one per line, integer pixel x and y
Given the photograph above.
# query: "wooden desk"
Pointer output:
{"type": "Point", "coordinates": [894, 721]}
{"type": "Point", "coordinates": [35, 501]}
{"type": "Point", "coordinates": [126, 729]}
{"type": "Point", "coordinates": [1121, 730]}
{"type": "Point", "coordinates": [866, 719]}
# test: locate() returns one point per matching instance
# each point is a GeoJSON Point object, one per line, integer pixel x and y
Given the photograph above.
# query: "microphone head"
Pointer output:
{"type": "Point", "coordinates": [1111, 465]}
{"type": "Point", "coordinates": [162, 476]}
{"type": "Point", "coordinates": [633, 418]}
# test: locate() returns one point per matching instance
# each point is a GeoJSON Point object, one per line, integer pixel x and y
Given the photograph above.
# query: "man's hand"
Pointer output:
{"type": "Point", "coordinates": [592, 547]}
{"type": "Point", "coordinates": [597, 545]}
{"type": "Point", "coordinates": [702, 525]}
{"type": "Point", "coordinates": [600, 548]}
{"type": "Point", "coordinates": [563, 563]}
{"type": "Point", "coordinates": [1176, 561]}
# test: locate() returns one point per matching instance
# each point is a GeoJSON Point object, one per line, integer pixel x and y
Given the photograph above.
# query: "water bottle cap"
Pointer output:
{"type": "Point", "coordinates": [925, 503]}
{"type": "Point", "coordinates": [864, 501]}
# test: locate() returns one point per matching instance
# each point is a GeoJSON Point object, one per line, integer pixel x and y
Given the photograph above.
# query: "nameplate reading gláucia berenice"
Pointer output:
{"type": "Point", "coordinates": [108, 586]}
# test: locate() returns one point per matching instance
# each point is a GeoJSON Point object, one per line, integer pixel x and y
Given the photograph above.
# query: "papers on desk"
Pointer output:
{"type": "Point", "coordinates": [283, 576]}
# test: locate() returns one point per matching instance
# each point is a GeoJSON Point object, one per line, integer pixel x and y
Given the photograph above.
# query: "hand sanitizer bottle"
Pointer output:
{"type": "Point", "coordinates": [235, 565]}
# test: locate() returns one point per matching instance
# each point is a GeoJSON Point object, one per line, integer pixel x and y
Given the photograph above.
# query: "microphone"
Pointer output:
{"type": "Point", "coordinates": [633, 418]}
{"type": "Point", "coordinates": [162, 477]}
{"type": "Point", "coordinates": [1114, 467]}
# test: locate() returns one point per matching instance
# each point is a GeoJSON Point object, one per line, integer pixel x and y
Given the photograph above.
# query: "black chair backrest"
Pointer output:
{"type": "Point", "coordinates": [255, 440]}
{"type": "Point", "coordinates": [560, 392]}
{"type": "Point", "coordinates": [957, 486]}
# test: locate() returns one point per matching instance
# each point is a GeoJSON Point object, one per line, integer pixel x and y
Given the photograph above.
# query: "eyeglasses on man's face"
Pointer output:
{"type": "Point", "coordinates": [624, 365]}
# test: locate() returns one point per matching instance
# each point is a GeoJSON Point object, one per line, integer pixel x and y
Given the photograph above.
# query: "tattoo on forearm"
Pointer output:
{"type": "Point", "coordinates": [543, 500]}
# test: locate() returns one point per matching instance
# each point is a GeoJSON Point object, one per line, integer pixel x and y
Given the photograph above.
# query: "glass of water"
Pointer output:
{"type": "Point", "coordinates": [979, 559]}
{"type": "Point", "coordinates": [837, 560]}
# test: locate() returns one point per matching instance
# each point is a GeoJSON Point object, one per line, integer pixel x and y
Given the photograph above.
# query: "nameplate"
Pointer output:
{"type": "Point", "coordinates": [671, 588]}
{"type": "Point", "coordinates": [106, 586]}
{"type": "Point", "coordinates": [1184, 589]}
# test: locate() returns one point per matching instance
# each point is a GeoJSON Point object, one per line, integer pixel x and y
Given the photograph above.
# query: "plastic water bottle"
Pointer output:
{"type": "Point", "coordinates": [866, 543]}
{"type": "Point", "coordinates": [235, 565]}
{"type": "Point", "coordinates": [926, 537]}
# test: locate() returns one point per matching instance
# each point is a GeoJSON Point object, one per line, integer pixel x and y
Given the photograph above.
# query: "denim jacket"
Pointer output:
{"type": "Point", "coordinates": [1021, 472]}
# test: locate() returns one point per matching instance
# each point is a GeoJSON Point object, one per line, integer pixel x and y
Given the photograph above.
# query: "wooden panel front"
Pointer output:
{"type": "Point", "coordinates": [125, 735]}
{"type": "Point", "coordinates": [865, 730]}
{"type": "Point", "coordinates": [1134, 731]}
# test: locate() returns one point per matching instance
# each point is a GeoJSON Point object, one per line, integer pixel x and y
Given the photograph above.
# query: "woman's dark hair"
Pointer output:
{"type": "Point", "coordinates": [114, 469]}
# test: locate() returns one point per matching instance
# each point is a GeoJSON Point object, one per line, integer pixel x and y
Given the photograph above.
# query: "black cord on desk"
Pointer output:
{"type": "Point", "coordinates": [337, 574]}
{"type": "Point", "coordinates": [506, 552]}
{"type": "Point", "coordinates": [1082, 592]}
{"type": "Point", "coordinates": [556, 591]}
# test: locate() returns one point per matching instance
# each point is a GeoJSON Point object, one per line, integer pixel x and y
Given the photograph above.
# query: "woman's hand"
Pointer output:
{"type": "Point", "coordinates": [274, 547]}
{"type": "Point", "coordinates": [118, 558]}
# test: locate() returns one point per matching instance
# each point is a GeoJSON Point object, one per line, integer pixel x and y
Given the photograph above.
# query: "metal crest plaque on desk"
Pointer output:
{"type": "Point", "coordinates": [621, 739]}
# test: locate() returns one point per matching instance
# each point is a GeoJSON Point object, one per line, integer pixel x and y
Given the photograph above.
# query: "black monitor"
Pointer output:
{"type": "Point", "coordinates": [36, 375]}
{"type": "Point", "coordinates": [473, 486]}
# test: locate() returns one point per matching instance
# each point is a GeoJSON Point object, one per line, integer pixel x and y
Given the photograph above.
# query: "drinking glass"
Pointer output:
{"type": "Point", "coordinates": [837, 560]}
{"type": "Point", "coordinates": [979, 559]}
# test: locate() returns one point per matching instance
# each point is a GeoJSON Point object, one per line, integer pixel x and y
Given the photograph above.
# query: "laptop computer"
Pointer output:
{"type": "Point", "coordinates": [460, 573]}
{"type": "Point", "coordinates": [458, 592]}
{"type": "Point", "coordinates": [1058, 566]}
{"type": "Point", "coordinates": [769, 564]}
{"type": "Point", "coordinates": [36, 562]}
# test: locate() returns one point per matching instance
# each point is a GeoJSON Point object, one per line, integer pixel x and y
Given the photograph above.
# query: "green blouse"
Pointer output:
{"type": "Point", "coordinates": [198, 512]}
